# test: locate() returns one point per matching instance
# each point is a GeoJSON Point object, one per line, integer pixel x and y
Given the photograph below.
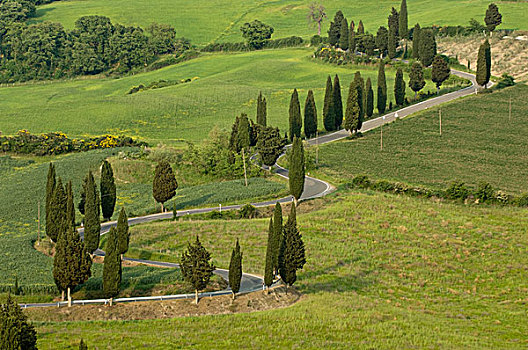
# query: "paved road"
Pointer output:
{"type": "Point", "coordinates": [313, 188]}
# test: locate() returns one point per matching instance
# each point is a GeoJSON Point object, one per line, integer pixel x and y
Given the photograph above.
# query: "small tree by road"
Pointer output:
{"type": "Point", "coordinates": [235, 270]}
{"type": "Point", "coordinates": [440, 72]}
{"type": "Point", "coordinates": [196, 266]}
{"type": "Point", "coordinates": [164, 185]}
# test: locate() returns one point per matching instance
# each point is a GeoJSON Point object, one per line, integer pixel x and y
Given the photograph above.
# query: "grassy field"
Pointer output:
{"type": "Point", "coordinates": [382, 272]}
{"type": "Point", "coordinates": [479, 143]}
{"type": "Point", "coordinates": [227, 85]}
{"type": "Point", "coordinates": [209, 21]}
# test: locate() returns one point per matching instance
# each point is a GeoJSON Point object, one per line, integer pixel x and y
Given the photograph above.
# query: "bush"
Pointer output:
{"type": "Point", "coordinates": [457, 190]}
{"type": "Point", "coordinates": [215, 215]}
{"type": "Point", "coordinates": [522, 200]}
{"type": "Point", "coordinates": [485, 192]}
{"type": "Point", "coordinates": [506, 80]}
{"type": "Point", "coordinates": [361, 181]}
{"type": "Point", "coordinates": [383, 186]}
{"type": "Point", "coordinates": [317, 40]}
{"type": "Point", "coordinates": [247, 212]}
{"type": "Point", "coordinates": [291, 41]}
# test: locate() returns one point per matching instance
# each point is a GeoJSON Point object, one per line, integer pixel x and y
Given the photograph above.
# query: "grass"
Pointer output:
{"type": "Point", "coordinates": [227, 85]}
{"type": "Point", "coordinates": [479, 143]}
{"type": "Point", "coordinates": [383, 272]}
{"type": "Point", "coordinates": [209, 21]}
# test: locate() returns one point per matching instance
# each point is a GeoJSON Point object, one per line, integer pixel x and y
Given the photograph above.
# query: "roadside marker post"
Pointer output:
{"type": "Point", "coordinates": [440, 118]}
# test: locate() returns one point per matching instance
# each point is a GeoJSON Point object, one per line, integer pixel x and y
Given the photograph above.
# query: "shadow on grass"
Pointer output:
{"type": "Point", "coordinates": [191, 203]}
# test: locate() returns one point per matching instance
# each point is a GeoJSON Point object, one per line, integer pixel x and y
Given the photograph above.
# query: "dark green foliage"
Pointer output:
{"type": "Point", "coordinates": [256, 33]}
{"type": "Point", "coordinates": [366, 44]}
{"type": "Point", "coordinates": [328, 108]}
{"type": "Point", "coordinates": [248, 211]}
{"type": "Point", "coordinates": [164, 184]}
{"type": "Point", "coordinates": [82, 201]}
{"type": "Point", "coordinates": [392, 43]}
{"type": "Point", "coordinates": [351, 38]}
{"type": "Point", "coordinates": [506, 80]}
{"type": "Point", "coordinates": [416, 78]}
{"type": "Point", "coordinates": [382, 89]}
{"type": "Point", "coordinates": [359, 83]}
{"type": "Point", "coordinates": [457, 190]}
{"type": "Point", "coordinates": [334, 32]}
{"type": "Point", "coordinates": [277, 235]}
{"type": "Point", "coordinates": [360, 28]}
{"type": "Point", "coordinates": [269, 145]}
{"type": "Point", "coordinates": [83, 345]}
{"type": "Point", "coordinates": [338, 103]}
{"type": "Point", "coordinates": [343, 35]}
{"type": "Point", "coordinates": [399, 88]}
{"type": "Point", "coordinates": [50, 187]}
{"type": "Point", "coordinates": [235, 269]}
{"type": "Point", "coordinates": [393, 22]}
{"type": "Point", "coordinates": [403, 23]}
{"type": "Point", "coordinates": [485, 192]}
{"type": "Point", "coordinates": [493, 17]}
{"type": "Point", "coordinates": [243, 136]}
{"type": "Point", "coordinates": [291, 41]}
{"type": "Point", "coordinates": [427, 48]}
{"type": "Point", "coordinates": [108, 190]}
{"type": "Point", "coordinates": [353, 111]}
{"type": "Point", "coordinates": [382, 40]}
{"type": "Point", "coordinates": [270, 253]}
{"type": "Point", "coordinates": [292, 253]}
{"type": "Point", "coordinates": [416, 41]}
{"type": "Point", "coordinates": [297, 170]}
{"type": "Point", "coordinates": [16, 333]}
{"type": "Point", "coordinates": [310, 115]}
{"type": "Point", "coordinates": [295, 120]}
{"type": "Point", "coordinates": [92, 221]}
{"type": "Point", "coordinates": [196, 266]}
{"type": "Point", "coordinates": [484, 64]}
{"type": "Point", "coordinates": [123, 233]}
{"type": "Point", "coordinates": [162, 38]}
{"type": "Point", "coordinates": [440, 71]}
{"type": "Point", "coordinates": [261, 110]}
{"type": "Point", "coordinates": [112, 266]}
{"type": "Point", "coordinates": [70, 207]}
{"type": "Point", "coordinates": [58, 216]}
{"type": "Point", "coordinates": [369, 108]}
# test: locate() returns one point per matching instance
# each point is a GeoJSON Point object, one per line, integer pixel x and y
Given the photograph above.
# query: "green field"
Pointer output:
{"type": "Point", "coordinates": [227, 85]}
{"type": "Point", "coordinates": [209, 21]}
{"type": "Point", "coordinates": [479, 143]}
{"type": "Point", "coordinates": [383, 272]}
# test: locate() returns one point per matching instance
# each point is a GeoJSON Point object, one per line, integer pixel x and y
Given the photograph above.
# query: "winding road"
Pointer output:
{"type": "Point", "coordinates": [313, 188]}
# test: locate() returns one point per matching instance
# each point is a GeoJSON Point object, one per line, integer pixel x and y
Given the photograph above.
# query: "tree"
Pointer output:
{"type": "Point", "coordinates": [338, 103]}
{"type": "Point", "coordinates": [162, 38]}
{"type": "Point", "coordinates": [359, 83]}
{"type": "Point", "coordinates": [310, 115]}
{"type": "Point", "coordinates": [403, 23]}
{"type": "Point", "coordinates": [316, 15]}
{"type": "Point", "coordinates": [57, 216]}
{"type": "Point", "coordinates": [123, 233]}
{"type": "Point", "coordinates": [353, 111]}
{"type": "Point", "coordinates": [83, 345]}
{"type": "Point", "coordinates": [343, 34]}
{"type": "Point", "coordinates": [493, 17]}
{"type": "Point", "coordinates": [440, 72]}
{"type": "Point", "coordinates": [399, 88]}
{"type": "Point", "coordinates": [277, 236]}
{"type": "Point", "coordinates": [71, 263]}
{"type": "Point", "coordinates": [268, 268]}
{"type": "Point", "coordinates": [70, 207]}
{"type": "Point", "coordinates": [195, 266]}
{"type": "Point", "coordinates": [297, 171]}
{"type": "Point", "coordinates": [235, 270]}
{"type": "Point", "coordinates": [256, 33]}
{"type": "Point", "coordinates": [108, 190]}
{"type": "Point", "coordinates": [92, 221]}
{"type": "Point", "coordinates": [416, 41]}
{"type": "Point", "coordinates": [16, 333]}
{"type": "Point", "coordinates": [382, 89]}
{"type": "Point", "coordinates": [351, 38]}
{"type": "Point", "coordinates": [392, 43]}
{"type": "Point", "coordinates": [382, 40]}
{"type": "Point", "coordinates": [269, 145]}
{"type": "Point", "coordinates": [427, 48]}
{"type": "Point", "coordinates": [244, 133]}
{"type": "Point", "coordinates": [164, 184]}
{"type": "Point", "coordinates": [292, 257]}
{"type": "Point", "coordinates": [50, 187]}
{"type": "Point", "coordinates": [295, 116]}
{"type": "Point", "coordinates": [112, 266]}
{"type": "Point", "coordinates": [82, 201]}
{"type": "Point", "coordinates": [484, 64]}
{"type": "Point", "coordinates": [369, 108]}
{"type": "Point", "coordinates": [393, 22]}
{"type": "Point", "coordinates": [360, 28]}
{"type": "Point", "coordinates": [328, 109]}
{"type": "Point", "coordinates": [335, 29]}
{"type": "Point", "coordinates": [261, 110]}
{"type": "Point", "coordinates": [416, 78]}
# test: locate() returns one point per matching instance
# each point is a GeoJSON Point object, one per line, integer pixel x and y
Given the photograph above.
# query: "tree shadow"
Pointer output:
{"type": "Point", "coordinates": [192, 202]}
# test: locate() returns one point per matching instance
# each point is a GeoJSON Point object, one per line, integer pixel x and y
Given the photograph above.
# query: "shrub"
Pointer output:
{"type": "Point", "coordinates": [485, 192]}
{"type": "Point", "coordinates": [316, 40]}
{"type": "Point", "coordinates": [502, 197]}
{"type": "Point", "coordinates": [383, 186]}
{"type": "Point", "coordinates": [247, 212]}
{"type": "Point", "coordinates": [522, 200]}
{"type": "Point", "coordinates": [361, 181]}
{"type": "Point", "coordinates": [506, 80]}
{"type": "Point", "coordinates": [457, 190]}
{"type": "Point", "coordinates": [215, 214]}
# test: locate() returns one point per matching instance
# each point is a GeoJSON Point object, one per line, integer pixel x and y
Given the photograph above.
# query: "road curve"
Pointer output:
{"type": "Point", "coordinates": [313, 188]}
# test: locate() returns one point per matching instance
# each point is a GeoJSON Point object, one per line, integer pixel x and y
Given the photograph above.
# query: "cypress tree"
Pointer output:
{"type": "Point", "coordinates": [235, 270]}
{"type": "Point", "coordinates": [382, 88]}
{"type": "Point", "coordinates": [360, 86]}
{"type": "Point", "coordinates": [243, 135]}
{"type": "Point", "coordinates": [361, 28]}
{"type": "Point", "coordinates": [484, 64]}
{"type": "Point", "coordinates": [82, 345]}
{"type": "Point", "coordinates": [335, 29]}
{"type": "Point", "coordinates": [195, 266]}
{"type": "Point", "coordinates": [399, 88]}
{"type": "Point", "coordinates": [392, 42]}
{"type": "Point", "coordinates": [338, 103]}
{"type": "Point", "coordinates": [440, 72]}
{"type": "Point", "coordinates": [297, 171]}
{"type": "Point", "coordinates": [328, 109]}
{"type": "Point", "coordinates": [164, 184]}
{"type": "Point", "coordinates": [382, 40]}
{"type": "Point", "coordinates": [394, 23]}
{"type": "Point", "coordinates": [353, 111]}
{"type": "Point", "coordinates": [277, 236]}
{"type": "Point", "coordinates": [108, 190]}
{"type": "Point", "coordinates": [416, 78]}
{"type": "Point", "coordinates": [92, 221]}
{"type": "Point", "coordinates": [269, 145]}
{"type": "Point", "coordinates": [261, 110]}
{"type": "Point", "coordinates": [292, 251]}
{"type": "Point", "coordinates": [416, 41]}
{"type": "Point", "coordinates": [369, 110]}
{"type": "Point", "coordinates": [82, 201]}
{"type": "Point", "coordinates": [427, 48]}
{"type": "Point", "coordinates": [310, 115]}
{"type": "Point", "coordinates": [233, 138]}
{"type": "Point", "coordinates": [403, 23]}
{"type": "Point", "coordinates": [343, 34]}
{"type": "Point", "coordinates": [112, 266]}
{"type": "Point", "coordinates": [16, 333]}
{"type": "Point", "coordinates": [493, 17]}
{"type": "Point", "coordinates": [58, 215]}
{"type": "Point", "coordinates": [295, 116]}
{"type": "Point", "coordinates": [70, 207]}
{"type": "Point", "coordinates": [351, 38]}
{"type": "Point", "coordinates": [268, 268]}
{"type": "Point", "coordinates": [50, 187]}
{"type": "Point", "coordinates": [123, 233]}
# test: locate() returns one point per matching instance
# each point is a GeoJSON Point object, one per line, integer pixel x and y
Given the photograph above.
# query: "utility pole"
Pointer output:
{"type": "Point", "coordinates": [244, 161]}
{"type": "Point", "coordinates": [317, 148]}
{"type": "Point", "coordinates": [381, 139]}
{"type": "Point", "coordinates": [509, 113]}
{"type": "Point", "coordinates": [38, 223]}
{"type": "Point", "coordinates": [440, 118]}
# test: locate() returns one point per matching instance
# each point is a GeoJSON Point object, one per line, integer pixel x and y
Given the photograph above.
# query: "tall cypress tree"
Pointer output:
{"type": "Point", "coordinates": [361, 28]}
{"type": "Point", "coordinates": [108, 190]}
{"type": "Point", "coordinates": [416, 41]}
{"type": "Point", "coordinates": [403, 22]}
{"type": "Point", "coordinates": [440, 72]}
{"type": "Point", "coordinates": [399, 88]}
{"type": "Point", "coordinates": [70, 207]}
{"type": "Point", "coordinates": [343, 34]}
{"type": "Point", "coordinates": [392, 42]}
{"type": "Point", "coordinates": [338, 103]}
{"type": "Point", "coordinates": [393, 22]}
{"type": "Point", "coordinates": [16, 333]}
{"type": "Point", "coordinates": [123, 233]}
{"type": "Point", "coordinates": [295, 116]}
{"type": "Point", "coordinates": [58, 216]}
{"type": "Point", "coordinates": [353, 111]}
{"type": "Point", "coordinates": [427, 48]}
{"type": "Point", "coordinates": [270, 145]}
{"type": "Point", "coordinates": [382, 40]}
{"type": "Point", "coordinates": [416, 78]}
{"type": "Point", "coordinates": [235, 270]}
{"type": "Point", "coordinates": [50, 187]}
{"type": "Point", "coordinates": [382, 88]}
{"type": "Point", "coordinates": [369, 108]}
{"type": "Point", "coordinates": [351, 38]}
{"type": "Point", "coordinates": [233, 138]}
{"type": "Point", "coordinates": [244, 133]}
{"type": "Point", "coordinates": [292, 257]}
{"type": "Point", "coordinates": [270, 253]}
{"type": "Point", "coordinates": [196, 267]}
{"type": "Point", "coordinates": [92, 221]}
{"type": "Point", "coordinates": [112, 266]}
{"type": "Point", "coordinates": [164, 184]}
{"type": "Point", "coordinates": [310, 115]}
{"type": "Point", "coordinates": [297, 171]}
{"type": "Point", "coordinates": [484, 64]}
{"type": "Point", "coordinates": [261, 110]}
{"type": "Point", "coordinates": [360, 86]}
{"type": "Point", "coordinates": [277, 235]}
{"type": "Point", "coordinates": [328, 109]}
{"type": "Point", "coordinates": [335, 29]}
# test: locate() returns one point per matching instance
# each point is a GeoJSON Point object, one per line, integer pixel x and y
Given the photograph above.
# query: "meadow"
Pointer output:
{"type": "Point", "coordinates": [383, 272]}
{"type": "Point", "coordinates": [217, 21]}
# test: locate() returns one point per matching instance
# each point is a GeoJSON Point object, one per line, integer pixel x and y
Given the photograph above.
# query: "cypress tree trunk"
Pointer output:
{"type": "Point", "coordinates": [69, 297]}
{"type": "Point", "coordinates": [196, 296]}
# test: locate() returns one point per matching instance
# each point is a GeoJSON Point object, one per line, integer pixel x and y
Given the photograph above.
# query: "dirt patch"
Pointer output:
{"type": "Point", "coordinates": [256, 301]}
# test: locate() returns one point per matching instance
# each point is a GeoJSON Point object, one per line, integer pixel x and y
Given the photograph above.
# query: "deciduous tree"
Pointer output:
{"type": "Point", "coordinates": [316, 15]}
{"type": "Point", "coordinates": [256, 33]}
{"type": "Point", "coordinates": [416, 78]}
{"type": "Point", "coordinates": [440, 72]}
